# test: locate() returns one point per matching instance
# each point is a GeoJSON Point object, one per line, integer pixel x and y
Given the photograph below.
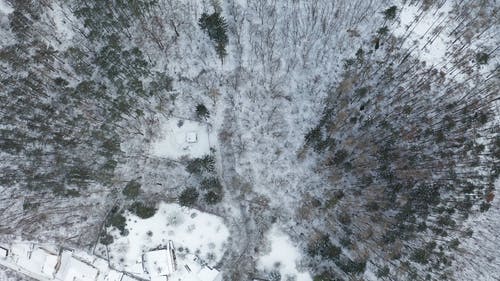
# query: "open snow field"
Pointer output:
{"type": "Point", "coordinates": [182, 138]}
{"type": "Point", "coordinates": [193, 233]}
{"type": "Point", "coordinates": [283, 256]}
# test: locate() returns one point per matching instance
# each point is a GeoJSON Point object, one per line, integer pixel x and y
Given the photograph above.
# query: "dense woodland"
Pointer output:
{"type": "Point", "coordinates": [416, 156]}
{"type": "Point", "coordinates": [372, 157]}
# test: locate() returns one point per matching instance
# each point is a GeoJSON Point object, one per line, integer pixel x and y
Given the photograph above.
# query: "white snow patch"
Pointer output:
{"type": "Point", "coordinates": [189, 269]}
{"type": "Point", "coordinates": [182, 138]}
{"type": "Point", "coordinates": [63, 22]}
{"type": "Point", "coordinates": [5, 8]}
{"type": "Point", "coordinates": [480, 258]}
{"type": "Point", "coordinates": [283, 256]}
{"type": "Point", "coordinates": [74, 269]}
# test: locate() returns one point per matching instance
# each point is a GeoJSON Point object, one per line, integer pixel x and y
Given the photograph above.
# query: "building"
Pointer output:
{"type": "Point", "coordinates": [180, 138]}
{"type": "Point", "coordinates": [35, 259]}
{"type": "Point", "coordinates": [113, 275]}
{"type": "Point", "coordinates": [209, 274]}
{"type": "Point", "coordinates": [49, 263]}
{"type": "Point", "coordinates": [128, 278]}
{"type": "Point", "coordinates": [73, 269]}
{"type": "Point", "coordinates": [3, 253]}
{"type": "Point", "coordinates": [46, 261]}
{"type": "Point", "coordinates": [191, 137]}
{"type": "Point", "coordinates": [160, 263]}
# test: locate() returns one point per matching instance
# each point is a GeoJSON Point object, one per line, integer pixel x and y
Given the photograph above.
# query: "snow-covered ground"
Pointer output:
{"type": "Point", "coordinates": [431, 35]}
{"type": "Point", "coordinates": [181, 137]}
{"type": "Point", "coordinates": [479, 257]}
{"type": "Point", "coordinates": [282, 256]}
{"type": "Point", "coordinates": [193, 233]}
{"type": "Point", "coordinates": [277, 97]}
{"type": "Point", "coordinates": [424, 33]}
{"type": "Point", "coordinates": [5, 8]}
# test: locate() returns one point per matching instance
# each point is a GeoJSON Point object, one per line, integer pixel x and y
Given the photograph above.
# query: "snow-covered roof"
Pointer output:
{"type": "Point", "coordinates": [3, 252]}
{"type": "Point", "coordinates": [159, 263]}
{"type": "Point", "coordinates": [191, 137]}
{"type": "Point", "coordinates": [20, 251]}
{"type": "Point", "coordinates": [159, 278]}
{"type": "Point", "coordinates": [34, 259]}
{"type": "Point", "coordinates": [128, 278]}
{"type": "Point", "coordinates": [72, 269]}
{"type": "Point", "coordinates": [209, 274]}
{"type": "Point", "coordinates": [113, 275]}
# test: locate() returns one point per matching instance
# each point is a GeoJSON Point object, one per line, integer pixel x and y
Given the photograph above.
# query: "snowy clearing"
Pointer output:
{"type": "Point", "coordinates": [283, 257]}
{"type": "Point", "coordinates": [182, 138]}
{"type": "Point", "coordinates": [192, 232]}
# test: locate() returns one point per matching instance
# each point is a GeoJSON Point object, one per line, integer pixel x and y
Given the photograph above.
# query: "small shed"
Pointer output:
{"type": "Point", "coordinates": [3, 252]}
{"type": "Point", "coordinates": [209, 274]}
{"type": "Point", "coordinates": [128, 278]}
{"type": "Point", "coordinates": [191, 137]}
{"type": "Point", "coordinates": [114, 275]}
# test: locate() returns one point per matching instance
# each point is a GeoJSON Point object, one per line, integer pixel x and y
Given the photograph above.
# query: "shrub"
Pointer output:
{"type": "Point", "coordinates": [344, 218]}
{"type": "Point", "coordinates": [189, 196]}
{"type": "Point", "coordinates": [439, 136]}
{"type": "Point", "coordinates": [132, 189]}
{"type": "Point", "coordinates": [383, 31]}
{"type": "Point", "coordinates": [199, 165]}
{"type": "Point", "coordinates": [383, 271]}
{"type": "Point", "coordinates": [484, 207]}
{"type": "Point", "coordinates": [106, 239]}
{"type": "Point", "coordinates": [59, 190]}
{"type": "Point", "coordinates": [324, 248]}
{"type": "Point", "coordinates": [345, 242]}
{"type": "Point", "coordinates": [454, 243]}
{"type": "Point", "coordinates": [339, 157]}
{"type": "Point", "coordinates": [142, 210]}
{"type": "Point", "coordinates": [350, 266]}
{"type": "Point", "coordinates": [482, 58]}
{"type": "Point", "coordinates": [372, 206]}
{"type": "Point", "coordinates": [390, 13]}
{"type": "Point", "coordinates": [313, 136]}
{"type": "Point", "coordinates": [30, 206]}
{"type": "Point", "coordinates": [275, 275]}
{"type": "Point", "coordinates": [215, 26]}
{"type": "Point", "coordinates": [420, 255]}
{"type": "Point", "coordinates": [325, 276]}
{"type": "Point", "coordinates": [211, 183]}
{"type": "Point", "coordinates": [496, 145]}
{"type": "Point", "coordinates": [117, 220]}
{"type": "Point", "coordinates": [202, 111]}
{"type": "Point", "coordinates": [214, 190]}
{"type": "Point", "coordinates": [213, 197]}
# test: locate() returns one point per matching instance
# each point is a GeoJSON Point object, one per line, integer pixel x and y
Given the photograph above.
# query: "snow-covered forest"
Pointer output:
{"type": "Point", "coordinates": [341, 140]}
